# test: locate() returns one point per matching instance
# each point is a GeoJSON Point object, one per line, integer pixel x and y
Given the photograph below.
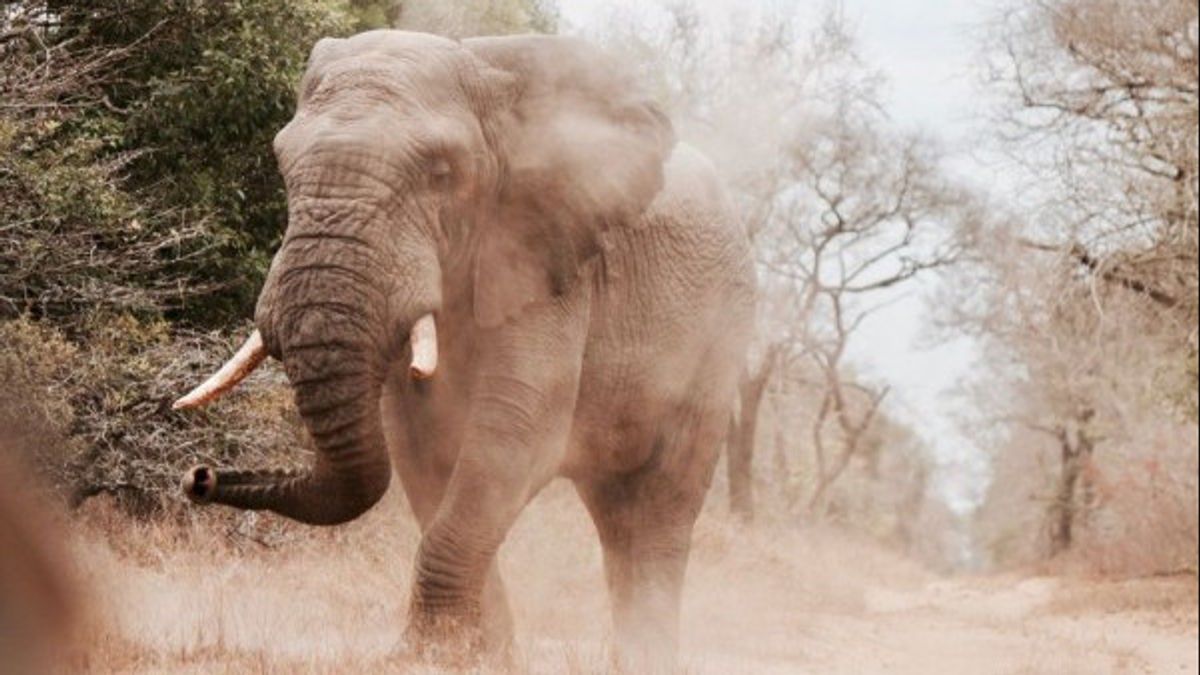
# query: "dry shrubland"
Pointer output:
{"type": "Point", "coordinates": [99, 410]}
{"type": "Point", "coordinates": [124, 260]}
{"type": "Point", "coordinates": [260, 594]}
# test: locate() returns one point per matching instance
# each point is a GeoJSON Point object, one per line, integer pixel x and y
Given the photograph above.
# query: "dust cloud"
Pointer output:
{"type": "Point", "coordinates": [258, 594]}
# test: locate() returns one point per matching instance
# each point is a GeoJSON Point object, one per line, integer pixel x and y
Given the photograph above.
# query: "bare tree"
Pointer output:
{"type": "Point", "coordinates": [865, 214]}
{"type": "Point", "coordinates": [1104, 100]}
{"type": "Point", "coordinates": [1087, 300]}
{"type": "Point", "coordinates": [1076, 447]}
{"type": "Point", "coordinates": [1084, 368]}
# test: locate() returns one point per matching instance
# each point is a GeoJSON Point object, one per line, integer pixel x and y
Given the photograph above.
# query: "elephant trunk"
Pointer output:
{"type": "Point", "coordinates": [325, 317]}
{"type": "Point", "coordinates": [344, 287]}
{"type": "Point", "coordinates": [338, 398]}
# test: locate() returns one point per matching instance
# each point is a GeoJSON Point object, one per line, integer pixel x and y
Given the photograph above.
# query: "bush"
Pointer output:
{"type": "Point", "coordinates": [145, 128]}
{"type": "Point", "coordinates": [211, 94]}
{"type": "Point", "coordinates": [75, 240]}
{"type": "Point", "coordinates": [105, 133]}
{"type": "Point", "coordinates": [95, 413]}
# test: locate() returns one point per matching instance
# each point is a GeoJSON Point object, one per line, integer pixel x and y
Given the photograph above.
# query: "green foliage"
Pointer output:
{"type": "Point", "coordinates": [204, 97]}
{"type": "Point", "coordinates": [372, 14]}
{"type": "Point", "coordinates": [145, 127]}
{"type": "Point", "coordinates": [75, 240]}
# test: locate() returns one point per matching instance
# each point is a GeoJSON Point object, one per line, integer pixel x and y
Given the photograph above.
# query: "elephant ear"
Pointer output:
{"type": "Point", "coordinates": [582, 150]}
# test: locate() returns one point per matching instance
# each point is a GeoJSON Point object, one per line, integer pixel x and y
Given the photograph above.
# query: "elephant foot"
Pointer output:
{"type": "Point", "coordinates": [447, 639]}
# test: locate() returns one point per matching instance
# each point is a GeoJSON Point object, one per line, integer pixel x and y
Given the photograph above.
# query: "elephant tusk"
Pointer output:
{"type": "Point", "coordinates": [247, 358]}
{"type": "Point", "coordinates": [424, 342]}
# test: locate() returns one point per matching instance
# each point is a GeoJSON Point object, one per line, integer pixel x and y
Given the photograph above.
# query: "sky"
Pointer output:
{"type": "Point", "coordinates": [927, 50]}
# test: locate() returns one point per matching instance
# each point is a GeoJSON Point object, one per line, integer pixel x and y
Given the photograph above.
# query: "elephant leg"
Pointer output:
{"type": "Point", "coordinates": [645, 522]}
{"type": "Point", "coordinates": [513, 440]}
{"type": "Point", "coordinates": [424, 461]}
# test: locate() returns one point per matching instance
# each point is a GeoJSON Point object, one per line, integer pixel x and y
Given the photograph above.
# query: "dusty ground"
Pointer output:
{"type": "Point", "coordinates": [269, 599]}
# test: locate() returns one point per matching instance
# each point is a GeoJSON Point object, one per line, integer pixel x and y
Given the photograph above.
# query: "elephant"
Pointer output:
{"type": "Point", "coordinates": [499, 268]}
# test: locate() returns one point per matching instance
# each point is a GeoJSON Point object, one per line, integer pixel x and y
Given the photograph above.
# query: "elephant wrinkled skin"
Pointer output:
{"type": "Point", "coordinates": [592, 296]}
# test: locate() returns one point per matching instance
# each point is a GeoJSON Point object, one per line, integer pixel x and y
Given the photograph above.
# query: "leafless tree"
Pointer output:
{"type": "Point", "coordinates": [1103, 109]}
{"type": "Point", "coordinates": [1087, 298]}
{"type": "Point", "coordinates": [868, 219]}
{"type": "Point", "coordinates": [1084, 368]}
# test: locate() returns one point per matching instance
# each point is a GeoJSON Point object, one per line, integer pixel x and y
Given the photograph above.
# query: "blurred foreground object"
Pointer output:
{"type": "Point", "coordinates": [35, 597]}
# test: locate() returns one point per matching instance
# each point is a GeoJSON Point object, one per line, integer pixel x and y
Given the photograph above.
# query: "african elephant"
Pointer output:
{"type": "Point", "coordinates": [514, 213]}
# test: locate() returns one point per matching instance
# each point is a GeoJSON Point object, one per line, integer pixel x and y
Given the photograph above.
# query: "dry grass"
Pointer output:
{"type": "Point", "coordinates": [1173, 596]}
{"type": "Point", "coordinates": [213, 597]}
{"type": "Point", "coordinates": [257, 594]}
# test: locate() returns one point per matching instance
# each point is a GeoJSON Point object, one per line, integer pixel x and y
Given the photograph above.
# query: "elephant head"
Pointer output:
{"type": "Point", "coordinates": [419, 171]}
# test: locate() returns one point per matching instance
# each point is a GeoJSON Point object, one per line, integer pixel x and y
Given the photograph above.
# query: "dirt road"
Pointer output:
{"type": "Point", "coordinates": [989, 625]}
{"type": "Point", "coordinates": [277, 599]}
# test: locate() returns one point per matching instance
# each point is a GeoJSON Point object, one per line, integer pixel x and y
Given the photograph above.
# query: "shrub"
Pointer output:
{"type": "Point", "coordinates": [74, 240]}
{"type": "Point", "coordinates": [143, 130]}
{"type": "Point", "coordinates": [100, 408]}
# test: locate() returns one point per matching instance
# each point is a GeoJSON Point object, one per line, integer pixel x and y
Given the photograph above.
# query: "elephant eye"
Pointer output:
{"type": "Point", "coordinates": [440, 173]}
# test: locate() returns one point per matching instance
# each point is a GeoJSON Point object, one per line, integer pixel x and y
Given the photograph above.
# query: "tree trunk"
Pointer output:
{"type": "Point", "coordinates": [740, 438]}
{"type": "Point", "coordinates": [739, 464]}
{"type": "Point", "coordinates": [1076, 449]}
{"type": "Point", "coordinates": [852, 433]}
{"type": "Point", "coordinates": [782, 467]}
